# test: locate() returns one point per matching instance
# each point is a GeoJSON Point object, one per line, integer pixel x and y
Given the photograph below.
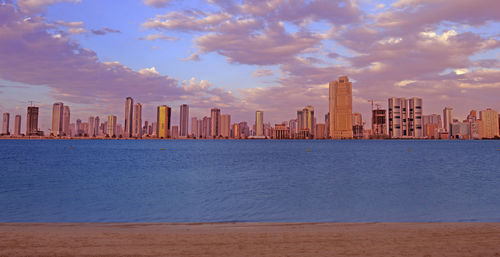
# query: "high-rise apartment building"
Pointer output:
{"type": "Point", "coordinates": [259, 123]}
{"type": "Point", "coordinates": [137, 121]}
{"type": "Point", "coordinates": [91, 132]}
{"type": "Point", "coordinates": [206, 131]}
{"type": "Point", "coordinates": [292, 125]}
{"type": "Point", "coordinates": [340, 107]}
{"type": "Point", "coordinates": [17, 125]}
{"type": "Point", "coordinates": [66, 120]}
{"type": "Point", "coordinates": [57, 119]}
{"type": "Point", "coordinates": [129, 112]}
{"type": "Point", "coordinates": [163, 115]}
{"type": "Point", "coordinates": [488, 124]}
{"type": "Point", "coordinates": [305, 120]}
{"type": "Point", "coordinates": [95, 133]}
{"type": "Point", "coordinates": [194, 128]}
{"type": "Point", "coordinates": [199, 124]}
{"type": "Point", "coordinates": [235, 131]}
{"type": "Point", "coordinates": [112, 126]}
{"type": "Point", "coordinates": [32, 121]}
{"type": "Point", "coordinates": [320, 131]}
{"type": "Point", "coordinates": [405, 118]}
{"type": "Point", "coordinates": [184, 120]}
{"type": "Point", "coordinates": [216, 122]}
{"type": "Point", "coordinates": [415, 113]}
{"type": "Point", "coordinates": [225, 125]}
{"type": "Point", "coordinates": [5, 127]}
{"type": "Point", "coordinates": [175, 132]}
{"type": "Point", "coordinates": [447, 119]}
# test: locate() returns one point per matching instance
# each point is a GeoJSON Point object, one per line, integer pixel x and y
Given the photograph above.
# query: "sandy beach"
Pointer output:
{"type": "Point", "coordinates": [250, 239]}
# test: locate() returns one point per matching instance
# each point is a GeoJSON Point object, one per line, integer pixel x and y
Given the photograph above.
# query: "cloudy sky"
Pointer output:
{"type": "Point", "coordinates": [244, 55]}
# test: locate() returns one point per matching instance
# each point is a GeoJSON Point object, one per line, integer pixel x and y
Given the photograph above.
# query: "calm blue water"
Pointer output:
{"type": "Point", "coordinates": [221, 180]}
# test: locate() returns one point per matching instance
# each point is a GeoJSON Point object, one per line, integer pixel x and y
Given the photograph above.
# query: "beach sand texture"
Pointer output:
{"type": "Point", "coordinates": [250, 239]}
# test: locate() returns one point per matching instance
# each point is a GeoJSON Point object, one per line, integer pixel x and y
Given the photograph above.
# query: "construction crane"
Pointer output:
{"type": "Point", "coordinates": [373, 102]}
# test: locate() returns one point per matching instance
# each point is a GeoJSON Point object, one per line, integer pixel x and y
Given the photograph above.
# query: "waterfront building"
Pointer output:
{"type": "Point", "coordinates": [119, 130]}
{"type": "Point", "coordinates": [66, 120]}
{"type": "Point", "coordinates": [447, 119]}
{"type": "Point", "coordinates": [379, 123]}
{"type": "Point", "coordinates": [259, 123]}
{"type": "Point", "coordinates": [340, 108]}
{"type": "Point", "coordinates": [17, 125]}
{"type": "Point", "coordinates": [184, 120]}
{"type": "Point", "coordinates": [95, 132]}
{"type": "Point", "coordinates": [175, 132]}
{"type": "Point", "coordinates": [244, 129]}
{"type": "Point", "coordinates": [281, 131]}
{"type": "Point", "coordinates": [32, 121]}
{"type": "Point", "coordinates": [129, 112]}
{"type": "Point", "coordinates": [215, 123]}
{"type": "Point", "coordinates": [91, 124]}
{"type": "Point", "coordinates": [327, 125]}
{"type": "Point", "coordinates": [154, 129]}
{"type": "Point", "coordinates": [137, 121]}
{"type": "Point", "coordinates": [199, 124]}
{"type": "Point", "coordinates": [57, 119]}
{"type": "Point", "coordinates": [292, 124]}
{"type": "Point", "coordinates": [405, 117]}
{"type": "Point", "coordinates": [225, 127]}
{"type": "Point", "coordinates": [432, 124]}
{"type": "Point", "coordinates": [235, 131]}
{"type": "Point", "coordinates": [357, 125]}
{"type": "Point", "coordinates": [415, 123]}
{"type": "Point", "coordinates": [320, 131]}
{"type": "Point", "coordinates": [145, 128]}
{"type": "Point", "coordinates": [194, 128]}
{"type": "Point", "coordinates": [305, 120]}
{"type": "Point", "coordinates": [79, 128]}
{"type": "Point", "coordinates": [5, 127]}
{"type": "Point", "coordinates": [111, 126]}
{"type": "Point", "coordinates": [206, 127]}
{"type": "Point", "coordinates": [488, 124]}
{"type": "Point", "coordinates": [460, 130]}
{"type": "Point", "coordinates": [163, 115]}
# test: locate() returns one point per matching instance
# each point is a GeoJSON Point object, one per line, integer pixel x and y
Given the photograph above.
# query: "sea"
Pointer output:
{"type": "Point", "coordinates": [249, 181]}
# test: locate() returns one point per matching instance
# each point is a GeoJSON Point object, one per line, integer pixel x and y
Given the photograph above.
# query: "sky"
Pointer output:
{"type": "Point", "coordinates": [246, 55]}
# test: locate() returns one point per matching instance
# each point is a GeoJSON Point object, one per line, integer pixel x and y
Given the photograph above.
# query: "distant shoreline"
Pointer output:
{"type": "Point", "coordinates": [250, 239]}
{"type": "Point", "coordinates": [293, 139]}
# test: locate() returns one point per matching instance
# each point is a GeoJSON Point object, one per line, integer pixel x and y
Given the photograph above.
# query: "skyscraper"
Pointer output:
{"type": "Point", "coordinates": [447, 119]}
{"type": "Point", "coordinates": [206, 127]}
{"type": "Point", "coordinates": [6, 120]}
{"type": "Point", "coordinates": [340, 107]}
{"type": "Point", "coordinates": [259, 123]}
{"type": "Point", "coordinates": [111, 126]}
{"type": "Point", "coordinates": [194, 128]}
{"type": "Point", "coordinates": [91, 132]}
{"type": "Point", "coordinates": [137, 122]}
{"type": "Point", "coordinates": [17, 125]}
{"type": "Point", "coordinates": [235, 131]}
{"type": "Point", "coordinates": [184, 121]}
{"type": "Point", "coordinates": [129, 105]}
{"type": "Point", "coordinates": [225, 130]}
{"type": "Point", "coordinates": [66, 120]}
{"type": "Point", "coordinates": [305, 119]}
{"type": "Point", "coordinates": [405, 117]}
{"type": "Point", "coordinates": [488, 125]}
{"type": "Point", "coordinates": [32, 121]}
{"type": "Point", "coordinates": [415, 122]}
{"type": "Point", "coordinates": [215, 122]}
{"type": "Point", "coordinates": [57, 119]}
{"type": "Point", "coordinates": [96, 126]}
{"type": "Point", "coordinates": [163, 115]}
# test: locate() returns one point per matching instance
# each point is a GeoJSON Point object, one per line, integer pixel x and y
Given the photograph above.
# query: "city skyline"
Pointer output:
{"type": "Point", "coordinates": [404, 118]}
{"type": "Point", "coordinates": [445, 52]}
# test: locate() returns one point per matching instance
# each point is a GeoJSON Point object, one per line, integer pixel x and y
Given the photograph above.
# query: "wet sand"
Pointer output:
{"type": "Point", "coordinates": [250, 239]}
